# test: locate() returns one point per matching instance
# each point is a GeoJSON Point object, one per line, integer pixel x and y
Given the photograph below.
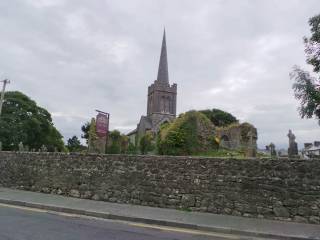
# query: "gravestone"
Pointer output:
{"type": "Point", "coordinates": [21, 147]}
{"type": "Point", "coordinates": [293, 146]}
{"type": "Point", "coordinates": [251, 145]}
{"type": "Point", "coordinates": [272, 149]}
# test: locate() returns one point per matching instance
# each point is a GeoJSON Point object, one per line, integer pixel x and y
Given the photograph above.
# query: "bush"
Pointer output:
{"type": "Point", "coordinates": [132, 149]}
{"type": "Point", "coordinates": [190, 133]}
{"type": "Point", "coordinates": [146, 143]}
{"type": "Point", "coordinates": [114, 142]}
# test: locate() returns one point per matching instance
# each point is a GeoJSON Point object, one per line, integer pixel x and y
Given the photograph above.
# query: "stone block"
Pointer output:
{"type": "Point", "coordinates": [281, 212]}
{"type": "Point", "coordinates": [314, 219]}
{"type": "Point", "coordinates": [74, 193]}
{"type": "Point", "coordinates": [187, 201]}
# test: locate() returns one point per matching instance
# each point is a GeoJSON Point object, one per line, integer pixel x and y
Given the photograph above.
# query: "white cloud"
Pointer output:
{"type": "Point", "coordinates": [45, 3]}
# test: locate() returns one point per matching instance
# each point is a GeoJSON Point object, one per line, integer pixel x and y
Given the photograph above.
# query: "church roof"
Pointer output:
{"type": "Point", "coordinates": [163, 75]}
{"type": "Point", "coordinates": [146, 121]}
{"type": "Point", "coordinates": [132, 132]}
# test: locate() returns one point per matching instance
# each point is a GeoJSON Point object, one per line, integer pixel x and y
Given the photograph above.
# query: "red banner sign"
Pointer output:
{"type": "Point", "coordinates": [102, 124]}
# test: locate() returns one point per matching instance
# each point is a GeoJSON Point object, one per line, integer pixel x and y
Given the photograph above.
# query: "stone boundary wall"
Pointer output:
{"type": "Point", "coordinates": [263, 188]}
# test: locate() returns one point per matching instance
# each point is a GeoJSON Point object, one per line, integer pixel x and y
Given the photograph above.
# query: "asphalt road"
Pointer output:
{"type": "Point", "coordinates": [18, 223]}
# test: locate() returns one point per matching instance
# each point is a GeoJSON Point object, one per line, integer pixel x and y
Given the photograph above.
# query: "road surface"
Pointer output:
{"type": "Point", "coordinates": [18, 223]}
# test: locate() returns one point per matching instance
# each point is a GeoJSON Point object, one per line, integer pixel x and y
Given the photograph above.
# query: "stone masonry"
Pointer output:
{"type": "Point", "coordinates": [263, 188]}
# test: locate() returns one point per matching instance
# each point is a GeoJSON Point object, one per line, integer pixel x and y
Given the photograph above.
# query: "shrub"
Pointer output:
{"type": "Point", "coordinates": [146, 143]}
{"type": "Point", "coordinates": [190, 133]}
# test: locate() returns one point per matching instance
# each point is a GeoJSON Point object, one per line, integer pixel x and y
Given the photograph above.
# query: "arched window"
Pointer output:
{"type": "Point", "coordinates": [169, 105]}
{"type": "Point", "coordinates": [162, 104]}
{"type": "Point", "coordinates": [166, 105]}
{"type": "Point", "coordinates": [225, 141]}
{"type": "Point", "coordinates": [151, 104]}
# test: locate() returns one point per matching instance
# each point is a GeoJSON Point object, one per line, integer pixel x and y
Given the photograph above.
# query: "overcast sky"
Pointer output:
{"type": "Point", "coordinates": [75, 56]}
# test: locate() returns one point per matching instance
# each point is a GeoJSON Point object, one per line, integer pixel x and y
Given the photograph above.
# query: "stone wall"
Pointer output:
{"type": "Point", "coordinates": [238, 136]}
{"type": "Point", "coordinates": [273, 189]}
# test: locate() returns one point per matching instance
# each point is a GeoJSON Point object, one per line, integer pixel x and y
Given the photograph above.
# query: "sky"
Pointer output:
{"type": "Point", "coordinates": [75, 56]}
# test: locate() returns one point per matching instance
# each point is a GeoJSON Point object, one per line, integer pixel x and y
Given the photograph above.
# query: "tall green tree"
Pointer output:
{"type": "Point", "coordinates": [22, 120]}
{"type": "Point", "coordinates": [307, 91]}
{"type": "Point", "coordinates": [92, 137]}
{"type": "Point", "coordinates": [85, 131]}
{"type": "Point", "coordinates": [306, 87]}
{"type": "Point", "coordinates": [312, 44]}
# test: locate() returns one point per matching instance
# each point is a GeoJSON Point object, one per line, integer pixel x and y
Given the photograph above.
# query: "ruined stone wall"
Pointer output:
{"type": "Point", "coordinates": [238, 136]}
{"type": "Point", "coordinates": [274, 189]}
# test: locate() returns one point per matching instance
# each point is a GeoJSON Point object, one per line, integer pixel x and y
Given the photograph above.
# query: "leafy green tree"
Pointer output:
{"type": "Point", "coordinates": [219, 118]}
{"type": "Point", "coordinates": [124, 143]}
{"type": "Point", "coordinates": [92, 137]}
{"type": "Point", "coordinates": [132, 149]}
{"type": "Point", "coordinates": [146, 143]}
{"type": "Point", "coordinates": [306, 87]}
{"type": "Point", "coordinates": [85, 131]}
{"type": "Point", "coordinates": [307, 92]}
{"type": "Point", "coordinates": [74, 144]}
{"type": "Point", "coordinates": [23, 121]}
{"type": "Point", "coordinates": [312, 44]}
{"type": "Point", "coordinates": [114, 142]}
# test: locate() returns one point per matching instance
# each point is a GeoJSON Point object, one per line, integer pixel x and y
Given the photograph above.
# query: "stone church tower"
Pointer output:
{"type": "Point", "coordinates": [162, 99]}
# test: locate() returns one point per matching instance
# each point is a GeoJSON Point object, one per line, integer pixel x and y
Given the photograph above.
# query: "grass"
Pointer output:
{"type": "Point", "coordinates": [222, 153]}
{"type": "Point", "coordinates": [184, 209]}
{"type": "Point", "coordinates": [228, 153]}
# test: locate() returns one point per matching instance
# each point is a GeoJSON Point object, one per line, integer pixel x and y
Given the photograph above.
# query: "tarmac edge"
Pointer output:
{"type": "Point", "coordinates": [150, 221]}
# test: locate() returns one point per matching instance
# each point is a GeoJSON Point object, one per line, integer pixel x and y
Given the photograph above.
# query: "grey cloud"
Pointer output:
{"type": "Point", "coordinates": [75, 56]}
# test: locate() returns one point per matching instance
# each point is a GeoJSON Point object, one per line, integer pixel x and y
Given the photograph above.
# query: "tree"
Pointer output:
{"type": "Point", "coordinates": [74, 144]}
{"type": "Point", "coordinates": [92, 137]}
{"type": "Point", "coordinates": [85, 129]}
{"type": "Point", "coordinates": [117, 143]}
{"type": "Point", "coordinates": [132, 149]}
{"type": "Point", "coordinates": [146, 143]}
{"type": "Point", "coordinates": [312, 44]}
{"type": "Point", "coordinates": [115, 140]}
{"type": "Point", "coordinates": [23, 121]}
{"type": "Point", "coordinates": [306, 91]}
{"type": "Point", "coordinates": [307, 88]}
{"type": "Point", "coordinates": [219, 118]}
{"type": "Point", "coordinates": [124, 144]}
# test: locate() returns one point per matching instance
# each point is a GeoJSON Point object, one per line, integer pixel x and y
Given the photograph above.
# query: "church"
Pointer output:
{"type": "Point", "coordinates": [162, 100]}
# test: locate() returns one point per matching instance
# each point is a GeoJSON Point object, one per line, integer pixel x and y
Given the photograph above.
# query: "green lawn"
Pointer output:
{"type": "Point", "coordinates": [226, 153]}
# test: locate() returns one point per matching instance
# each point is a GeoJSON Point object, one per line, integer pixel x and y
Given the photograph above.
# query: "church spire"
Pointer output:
{"type": "Point", "coordinates": [163, 75]}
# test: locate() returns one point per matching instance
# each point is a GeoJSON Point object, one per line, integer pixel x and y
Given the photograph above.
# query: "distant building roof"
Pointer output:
{"type": "Point", "coordinates": [313, 148]}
